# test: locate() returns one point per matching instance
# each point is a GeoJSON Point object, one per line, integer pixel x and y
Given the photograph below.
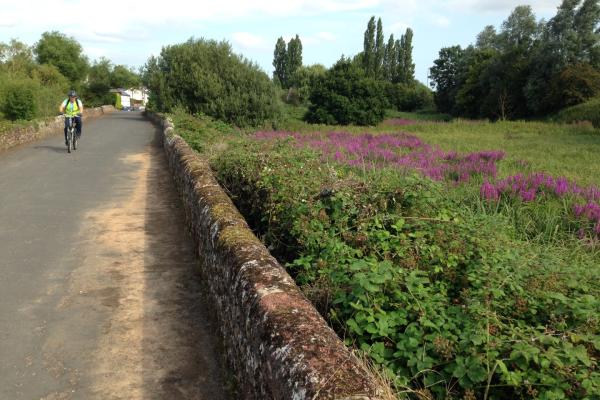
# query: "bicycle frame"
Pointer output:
{"type": "Point", "coordinates": [71, 135]}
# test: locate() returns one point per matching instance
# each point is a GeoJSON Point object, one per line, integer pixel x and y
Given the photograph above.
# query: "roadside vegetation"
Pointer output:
{"type": "Point", "coordinates": [35, 79]}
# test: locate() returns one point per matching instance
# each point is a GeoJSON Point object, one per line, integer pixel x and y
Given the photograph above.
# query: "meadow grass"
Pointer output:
{"type": "Point", "coordinates": [572, 151]}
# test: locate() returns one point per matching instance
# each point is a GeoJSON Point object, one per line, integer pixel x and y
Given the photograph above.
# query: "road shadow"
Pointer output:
{"type": "Point", "coordinates": [53, 149]}
{"type": "Point", "coordinates": [129, 115]}
{"type": "Point", "coordinates": [192, 365]}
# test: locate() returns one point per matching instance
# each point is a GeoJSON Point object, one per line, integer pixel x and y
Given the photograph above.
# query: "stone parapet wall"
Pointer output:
{"type": "Point", "coordinates": [277, 343]}
{"type": "Point", "coordinates": [39, 130]}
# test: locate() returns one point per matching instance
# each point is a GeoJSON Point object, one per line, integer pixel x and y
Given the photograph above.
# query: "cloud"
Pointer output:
{"type": "Point", "coordinates": [326, 36]}
{"type": "Point", "coordinates": [7, 22]}
{"type": "Point", "coordinates": [398, 28]}
{"type": "Point", "coordinates": [440, 21]}
{"type": "Point", "coordinates": [500, 6]}
{"type": "Point", "coordinates": [315, 39]}
{"type": "Point", "coordinates": [249, 41]}
{"type": "Point", "coordinates": [118, 21]}
{"type": "Point", "coordinates": [95, 53]}
{"type": "Point", "coordinates": [411, 9]}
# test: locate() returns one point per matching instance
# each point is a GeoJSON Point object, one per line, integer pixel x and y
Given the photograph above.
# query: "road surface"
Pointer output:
{"type": "Point", "coordinates": [99, 294]}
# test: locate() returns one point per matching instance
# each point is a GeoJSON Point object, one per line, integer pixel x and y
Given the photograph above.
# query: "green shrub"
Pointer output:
{"type": "Point", "coordinates": [345, 95]}
{"type": "Point", "coordinates": [49, 75]}
{"type": "Point", "coordinates": [20, 102]}
{"type": "Point", "coordinates": [52, 89]}
{"type": "Point", "coordinates": [302, 81]}
{"type": "Point", "coordinates": [206, 76]}
{"type": "Point", "coordinates": [588, 111]}
{"type": "Point", "coordinates": [444, 298]}
{"type": "Point", "coordinates": [48, 99]}
{"type": "Point", "coordinates": [405, 97]}
{"type": "Point", "coordinates": [34, 94]}
{"type": "Point", "coordinates": [576, 84]}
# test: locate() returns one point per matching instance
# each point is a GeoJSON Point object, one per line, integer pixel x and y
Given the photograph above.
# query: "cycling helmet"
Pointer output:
{"type": "Point", "coordinates": [72, 93]}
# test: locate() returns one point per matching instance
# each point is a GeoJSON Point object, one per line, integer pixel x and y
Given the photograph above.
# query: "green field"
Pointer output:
{"type": "Point", "coordinates": [572, 151]}
{"type": "Point", "coordinates": [569, 150]}
{"type": "Point", "coordinates": [452, 294]}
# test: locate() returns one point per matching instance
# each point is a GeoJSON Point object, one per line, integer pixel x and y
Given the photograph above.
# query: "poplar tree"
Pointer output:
{"type": "Point", "coordinates": [369, 47]}
{"type": "Point", "coordinates": [379, 51]}
{"type": "Point", "coordinates": [390, 60]}
{"type": "Point", "coordinates": [279, 60]}
{"type": "Point", "coordinates": [293, 60]}
{"type": "Point", "coordinates": [406, 67]}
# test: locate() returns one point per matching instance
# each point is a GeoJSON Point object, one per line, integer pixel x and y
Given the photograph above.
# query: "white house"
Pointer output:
{"type": "Point", "coordinates": [125, 100]}
{"type": "Point", "coordinates": [137, 95]}
{"type": "Point", "coordinates": [134, 97]}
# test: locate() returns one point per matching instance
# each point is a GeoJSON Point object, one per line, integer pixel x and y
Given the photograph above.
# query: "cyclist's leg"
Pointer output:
{"type": "Point", "coordinates": [66, 126]}
{"type": "Point", "coordinates": [78, 125]}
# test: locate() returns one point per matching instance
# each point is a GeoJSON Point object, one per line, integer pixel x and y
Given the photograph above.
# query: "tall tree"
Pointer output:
{"type": "Point", "coordinates": [528, 68]}
{"type": "Point", "coordinates": [16, 57]}
{"type": "Point", "coordinates": [293, 60]}
{"type": "Point", "coordinates": [390, 60]}
{"type": "Point", "coordinates": [474, 86]}
{"type": "Point", "coordinates": [586, 23]}
{"type": "Point", "coordinates": [279, 60]}
{"type": "Point", "coordinates": [379, 51]}
{"type": "Point", "coordinates": [406, 67]}
{"type": "Point", "coordinates": [369, 47]}
{"type": "Point", "coordinates": [445, 77]}
{"type": "Point", "coordinates": [123, 77]}
{"type": "Point", "coordinates": [487, 38]}
{"type": "Point", "coordinates": [65, 53]}
{"type": "Point", "coordinates": [99, 80]}
{"type": "Point", "coordinates": [519, 30]}
{"type": "Point", "coordinates": [398, 73]}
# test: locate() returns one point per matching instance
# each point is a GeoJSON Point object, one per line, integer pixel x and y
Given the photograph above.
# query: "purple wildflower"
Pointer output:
{"type": "Point", "coordinates": [489, 192]}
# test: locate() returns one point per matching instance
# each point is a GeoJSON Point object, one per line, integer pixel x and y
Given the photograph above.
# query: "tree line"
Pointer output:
{"type": "Point", "coordinates": [34, 79]}
{"type": "Point", "coordinates": [528, 68]}
{"type": "Point", "coordinates": [354, 90]}
{"type": "Point", "coordinates": [392, 61]}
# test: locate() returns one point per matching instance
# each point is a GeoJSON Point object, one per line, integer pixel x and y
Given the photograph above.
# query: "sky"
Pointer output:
{"type": "Point", "coordinates": [128, 32]}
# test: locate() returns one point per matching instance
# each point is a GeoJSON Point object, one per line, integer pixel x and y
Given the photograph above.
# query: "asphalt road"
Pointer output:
{"type": "Point", "coordinates": [99, 295]}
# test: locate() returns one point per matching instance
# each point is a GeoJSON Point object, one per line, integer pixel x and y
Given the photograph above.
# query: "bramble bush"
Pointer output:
{"type": "Point", "coordinates": [445, 298]}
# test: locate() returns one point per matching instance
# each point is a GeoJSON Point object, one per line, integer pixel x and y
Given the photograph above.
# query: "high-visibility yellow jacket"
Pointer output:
{"type": "Point", "coordinates": [72, 109]}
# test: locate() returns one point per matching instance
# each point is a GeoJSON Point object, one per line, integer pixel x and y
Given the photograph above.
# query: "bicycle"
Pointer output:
{"type": "Point", "coordinates": [71, 134]}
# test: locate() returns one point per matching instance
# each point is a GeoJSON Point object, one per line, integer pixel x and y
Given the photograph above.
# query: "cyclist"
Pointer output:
{"type": "Point", "coordinates": [72, 107]}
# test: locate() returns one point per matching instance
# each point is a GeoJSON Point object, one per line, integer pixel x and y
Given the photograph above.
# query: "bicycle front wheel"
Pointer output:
{"type": "Point", "coordinates": [69, 140]}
